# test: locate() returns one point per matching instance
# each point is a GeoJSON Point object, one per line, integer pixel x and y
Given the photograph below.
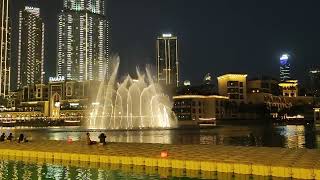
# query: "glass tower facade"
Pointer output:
{"type": "Point", "coordinates": [83, 46]}
{"type": "Point", "coordinates": [167, 60]}
{"type": "Point", "coordinates": [5, 48]}
{"type": "Point", "coordinates": [284, 68]}
{"type": "Point", "coordinates": [31, 47]}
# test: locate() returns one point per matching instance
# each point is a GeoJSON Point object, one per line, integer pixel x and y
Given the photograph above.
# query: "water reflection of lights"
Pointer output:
{"type": "Point", "coordinates": [207, 139]}
{"type": "Point", "coordinates": [75, 136]}
{"type": "Point", "coordinates": [54, 172]}
{"type": "Point", "coordinates": [279, 136]}
{"type": "Point", "coordinates": [294, 136]}
{"type": "Point", "coordinates": [163, 137]}
{"type": "Point", "coordinates": [20, 170]}
{"type": "Point", "coordinates": [87, 172]}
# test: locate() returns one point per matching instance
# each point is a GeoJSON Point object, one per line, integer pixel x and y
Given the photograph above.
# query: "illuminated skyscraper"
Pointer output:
{"type": "Point", "coordinates": [31, 47]}
{"type": "Point", "coordinates": [83, 46]}
{"type": "Point", "coordinates": [314, 81]}
{"type": "Point", "coordinates": [167, 60]}
{"type": "Point", "coordinates": [284, 67]}
{"type": "Point", "coordinates": [5, 48]}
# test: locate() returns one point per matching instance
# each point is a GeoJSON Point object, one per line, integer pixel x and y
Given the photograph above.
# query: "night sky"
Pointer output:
{"type": "Point", "coordinates": [215, 36]}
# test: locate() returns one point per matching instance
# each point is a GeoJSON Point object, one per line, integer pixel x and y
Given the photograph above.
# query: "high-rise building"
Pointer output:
{"type": "Point", "coordinates": [167, 60]}
{"type": "Point", "coordinates": [83, 45]}
{"type": "Point", "coordinates": [31, 47]}
{"type": "Point", "coordinates": [5, 48]}
{"type": "Point", "coordinates": [284, 68]}
{"type": "Point", "coordinates": [314, 81]}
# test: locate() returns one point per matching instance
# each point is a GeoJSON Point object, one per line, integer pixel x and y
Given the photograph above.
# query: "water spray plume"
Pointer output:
{"type": "Point", "coordinates": [131, 104]}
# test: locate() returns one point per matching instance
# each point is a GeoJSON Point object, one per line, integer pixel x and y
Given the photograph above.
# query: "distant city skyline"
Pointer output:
{"type": "Point", "coordinates": [216, 37]}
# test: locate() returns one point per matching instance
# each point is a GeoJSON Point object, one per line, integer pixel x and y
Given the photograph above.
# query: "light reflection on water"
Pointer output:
{"type": "Point", "coordinates": [28, 171]}
{"type": "Point", "coordinates": [295, 136]}
{"type": "Point", "coordinates": [290, 136]}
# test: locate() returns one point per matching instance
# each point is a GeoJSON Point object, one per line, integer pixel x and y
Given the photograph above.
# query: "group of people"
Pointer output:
{"type": "Point", "coordinates": [102, 139]}
{"type": "Point", "coordinates": [21, 138]}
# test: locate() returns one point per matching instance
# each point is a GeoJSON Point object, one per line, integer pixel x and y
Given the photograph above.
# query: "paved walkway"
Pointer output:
{"type": "Point", "coordinates": [278, 162]}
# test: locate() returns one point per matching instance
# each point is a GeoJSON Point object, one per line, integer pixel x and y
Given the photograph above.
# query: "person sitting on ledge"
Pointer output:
{"type": "Point", "coordinates": [102, 138]}
{"type": "Point", "coordinates": [25, 139]}
{"type": "Point", "coordinates": [2, 137]}
{"type": "Point", "coordinates": [10, 137]}
{"type": "Point", "coordinates": [89, 142]}
{"type": "Point", "coordinates": [22, 138]}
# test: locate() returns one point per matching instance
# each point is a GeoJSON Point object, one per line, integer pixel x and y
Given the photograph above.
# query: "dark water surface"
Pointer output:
{"type": "Point", "coordinates": [290, 136]}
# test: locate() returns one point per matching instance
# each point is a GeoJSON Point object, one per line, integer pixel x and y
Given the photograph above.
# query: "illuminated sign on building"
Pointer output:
{"type": "Point", "coordinates": [33, 10]}
{"type": "Point", "coordinates": [74, 104]}
{"type": "Point", "coordinates": [166, 35]}
{"type": "Point", "coordinates": [284, 57]}
{"type": "Point", "coordinates": [56, 79]}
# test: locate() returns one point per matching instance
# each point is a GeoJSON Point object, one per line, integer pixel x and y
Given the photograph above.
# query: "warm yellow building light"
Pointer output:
{"type": "Point", "coordinates": [200, 97]}
{"type": "Point", "coordinates": [232, 76]}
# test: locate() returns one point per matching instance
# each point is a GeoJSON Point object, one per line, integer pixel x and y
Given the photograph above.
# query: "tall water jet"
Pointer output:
{"type": "Point", "coordinates": [131, 104]}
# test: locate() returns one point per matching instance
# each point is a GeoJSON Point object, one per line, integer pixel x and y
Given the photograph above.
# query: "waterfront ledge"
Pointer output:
{"type": "Point", "coordinates": [259, 161]}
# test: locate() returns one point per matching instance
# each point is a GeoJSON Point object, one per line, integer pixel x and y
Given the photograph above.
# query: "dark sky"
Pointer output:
{"type": "Point", "coordinates": [216, 36]}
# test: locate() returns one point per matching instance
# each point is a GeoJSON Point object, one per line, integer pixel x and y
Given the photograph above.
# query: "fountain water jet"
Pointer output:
{"type": "Point", "coordinates": [132, 104]}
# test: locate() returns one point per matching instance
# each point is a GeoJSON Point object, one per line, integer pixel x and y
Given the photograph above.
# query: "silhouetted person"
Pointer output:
{"type": "Point", "coordinates": [21, 138]}
{"type": "Point", "coordinates": [10, 137]}
{"type": "Point", "coordinates": [102, 138]}
{"type": "Point", "coordinates": [2, 137]}
{"type": "Point", "coordinates": [89, 142]}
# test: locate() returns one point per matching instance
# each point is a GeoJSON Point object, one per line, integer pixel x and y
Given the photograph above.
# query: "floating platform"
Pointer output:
{"type": "Point", "coordinates": [236, 160]}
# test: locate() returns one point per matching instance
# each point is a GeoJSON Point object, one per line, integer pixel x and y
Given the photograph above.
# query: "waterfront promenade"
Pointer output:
{"type": "Point", "coordinates": [259, 161]}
